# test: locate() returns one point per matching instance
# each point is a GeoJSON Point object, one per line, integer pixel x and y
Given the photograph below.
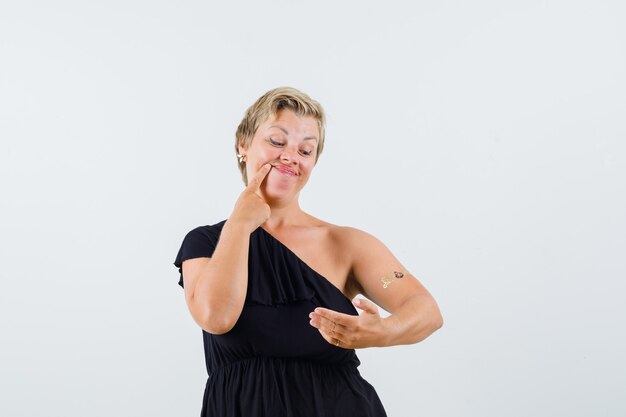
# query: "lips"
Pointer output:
{"type": "Point", "coordinates": [285, 170]}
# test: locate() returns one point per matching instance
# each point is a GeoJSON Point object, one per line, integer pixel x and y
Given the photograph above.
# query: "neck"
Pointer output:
{"type": "Point", "coordinates": [283, 214]}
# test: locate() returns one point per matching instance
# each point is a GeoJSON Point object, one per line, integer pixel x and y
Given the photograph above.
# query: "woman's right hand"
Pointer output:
{"type": "Point", "coordinates": [251, 210]}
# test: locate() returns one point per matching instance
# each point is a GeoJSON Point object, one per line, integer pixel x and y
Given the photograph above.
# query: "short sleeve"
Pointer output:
{"type": "Point", "coordinates": [198, 243]}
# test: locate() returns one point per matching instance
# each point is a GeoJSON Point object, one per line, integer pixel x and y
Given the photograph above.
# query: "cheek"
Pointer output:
{"type": "Point", "coordinates": [268, 155]}
{"type": "Point", "coordinates": [307, 166]}
{"type": "Point", "coordinates": [260, 157]}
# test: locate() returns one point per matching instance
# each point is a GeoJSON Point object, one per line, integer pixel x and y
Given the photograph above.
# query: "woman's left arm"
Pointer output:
{"type": "Point", "coordinates": [382, 279]}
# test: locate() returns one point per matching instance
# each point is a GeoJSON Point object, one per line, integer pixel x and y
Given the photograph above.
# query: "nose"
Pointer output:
{"type": "Point", "coordinates": [287, 156]}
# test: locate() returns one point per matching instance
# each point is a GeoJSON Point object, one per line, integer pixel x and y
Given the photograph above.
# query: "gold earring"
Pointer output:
{"type": "Point", "coordinates": [242, 158]}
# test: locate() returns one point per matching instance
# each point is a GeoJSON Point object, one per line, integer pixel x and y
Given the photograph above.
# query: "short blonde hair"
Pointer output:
{"type": "Point", "coordinates": [268, 105]}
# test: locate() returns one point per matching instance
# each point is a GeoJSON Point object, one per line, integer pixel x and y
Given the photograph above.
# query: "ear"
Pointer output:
{"type": "Point", "coordinates": [241, 149]}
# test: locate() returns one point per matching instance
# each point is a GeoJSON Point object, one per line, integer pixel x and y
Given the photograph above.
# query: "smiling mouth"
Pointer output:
{"type": "Point", "coordinates": [284, 170]}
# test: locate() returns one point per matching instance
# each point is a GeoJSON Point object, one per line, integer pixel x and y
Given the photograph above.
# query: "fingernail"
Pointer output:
{"type": "Point", "coordinates": [266, 166]}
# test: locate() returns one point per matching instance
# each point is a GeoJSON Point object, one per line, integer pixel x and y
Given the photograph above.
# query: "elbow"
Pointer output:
{"type": "Point", "coordinates": [214, 319]}
{"type": "Point", "coordinates": [438, 322]}
{"type": "Point", "coordinates": [436, 318]}
{"type": "Point", "coordinates": [432, 322]}
{"type": "Point", "coordinates": [428, 327]}
{"type": "Point", "coordinates": [216, 323]}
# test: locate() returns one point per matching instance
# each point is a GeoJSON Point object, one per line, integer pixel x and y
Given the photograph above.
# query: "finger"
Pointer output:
{"type": "Point", "coordinates": [321, 323]}
{"type": "Point", "coordinates": [255, 182]}
{"type": "Point", "coordinates": [339, 325]}
{"type": "Point", "coordinates": [332, 328]}
{"type": "Point", "coordinates": [331, 331]}
{"type": "Point", "coordinates": [334, 316]}
{"type": "Point", "coordinates": [366, 305]}
{"type": "Point", "coordinates": [335, 341]}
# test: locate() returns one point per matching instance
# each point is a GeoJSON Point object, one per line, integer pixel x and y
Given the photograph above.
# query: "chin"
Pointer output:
{"type": "Point", "coordinates": [279, 191]}
{"type": "Point", "coordinates": [277, 194]}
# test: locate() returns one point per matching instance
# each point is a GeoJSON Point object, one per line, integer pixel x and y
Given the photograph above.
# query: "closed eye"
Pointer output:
{"type": "Point", "coordinates": [277, 144]}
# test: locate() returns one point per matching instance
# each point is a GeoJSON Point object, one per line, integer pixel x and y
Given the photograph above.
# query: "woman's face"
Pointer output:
{"type": "Point", "coordinates": [289, 143]}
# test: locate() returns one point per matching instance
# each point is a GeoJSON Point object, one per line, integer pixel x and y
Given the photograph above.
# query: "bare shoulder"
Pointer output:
{"type": "Point", "coordinates": [350, 244]}
{"type": "Point", "coordinates": [353, 239]}
{"type": "Point", "coordinates": [342, 237]}
{"type": "Point", "coordinates": [323, 228]}
{"type": "Point", "coordinates": [372, 269]}
{"type": "Point", "coordinates": [346, 240]}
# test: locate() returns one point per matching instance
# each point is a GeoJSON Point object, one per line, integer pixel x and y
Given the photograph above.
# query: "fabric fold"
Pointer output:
{"type": "Point", "coordinates": [274, 278]}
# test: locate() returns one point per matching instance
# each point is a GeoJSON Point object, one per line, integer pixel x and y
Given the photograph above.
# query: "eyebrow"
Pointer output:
{"type": "Point", "coordinates": [286, 133]}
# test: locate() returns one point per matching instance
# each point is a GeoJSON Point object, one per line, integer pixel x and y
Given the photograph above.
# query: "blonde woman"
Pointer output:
{"type": "Point", "coordinates": [273, 288]}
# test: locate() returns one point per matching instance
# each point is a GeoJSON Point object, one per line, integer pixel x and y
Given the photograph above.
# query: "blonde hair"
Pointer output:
{"type": "Point", "coordinates": [268, 105]}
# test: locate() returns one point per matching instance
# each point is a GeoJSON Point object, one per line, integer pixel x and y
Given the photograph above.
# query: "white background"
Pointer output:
{"type": "Point", "coordinates": [482, 141]}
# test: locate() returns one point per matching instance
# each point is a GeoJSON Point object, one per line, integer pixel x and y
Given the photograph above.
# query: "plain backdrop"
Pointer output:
{"type": "Point", "coordinates": [483, 142]}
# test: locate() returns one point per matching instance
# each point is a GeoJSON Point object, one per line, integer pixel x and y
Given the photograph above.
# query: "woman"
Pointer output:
{"type": "Point", "coordinates": [271, 286]}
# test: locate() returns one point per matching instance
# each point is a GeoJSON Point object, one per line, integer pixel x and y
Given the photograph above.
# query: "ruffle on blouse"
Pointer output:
{"type": "Point", "coordinates": [276, 275]}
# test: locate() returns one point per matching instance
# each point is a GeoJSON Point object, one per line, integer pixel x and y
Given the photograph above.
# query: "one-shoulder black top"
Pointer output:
{"type": "Point", "coordinates": [273, 363]}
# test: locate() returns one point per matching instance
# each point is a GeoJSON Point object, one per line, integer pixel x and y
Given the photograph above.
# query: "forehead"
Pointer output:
{"type": "Point", "coordinates": [290, 124]}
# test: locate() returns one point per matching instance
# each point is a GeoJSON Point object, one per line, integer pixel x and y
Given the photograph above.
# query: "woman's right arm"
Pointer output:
{"type": "Point", "coordinates": [215, 288]}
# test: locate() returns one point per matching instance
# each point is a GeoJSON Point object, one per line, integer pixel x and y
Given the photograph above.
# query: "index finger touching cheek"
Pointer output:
{"type": "Point", "coordinates": [256, 181]}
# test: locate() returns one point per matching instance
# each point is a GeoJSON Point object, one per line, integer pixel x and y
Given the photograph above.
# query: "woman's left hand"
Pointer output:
{"type": "Point", "coordinates": [351, 332]}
